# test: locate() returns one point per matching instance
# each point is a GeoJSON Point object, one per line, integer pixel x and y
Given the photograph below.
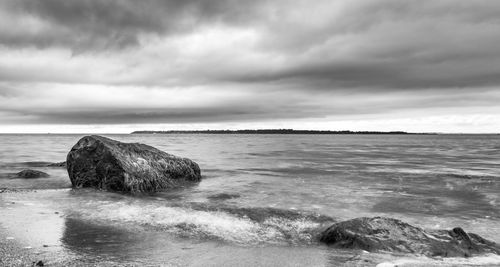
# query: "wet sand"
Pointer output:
{"type": "Point", "coordinates": [12, 254]}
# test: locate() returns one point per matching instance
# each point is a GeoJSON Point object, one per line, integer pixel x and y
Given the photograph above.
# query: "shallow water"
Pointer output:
{"type": "Point", "coordinates": [262, 200]}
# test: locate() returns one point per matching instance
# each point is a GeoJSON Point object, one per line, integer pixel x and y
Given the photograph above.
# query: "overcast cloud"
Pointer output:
{"type": "Point", "coordinates": [362, 65]}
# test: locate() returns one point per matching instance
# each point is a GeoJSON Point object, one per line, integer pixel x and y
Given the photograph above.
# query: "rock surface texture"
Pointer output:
{"type": "Point", "coordinates": [31, 174]}
{"type": "Point", "coordinates": [386, 234]}
{"type": "Point", "coordinates": [100, 162]}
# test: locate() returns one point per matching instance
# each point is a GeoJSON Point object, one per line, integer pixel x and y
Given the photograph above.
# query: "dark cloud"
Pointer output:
{"type": "Point", "coordinates": [97, 24]}
{"type": "Point", "coordinates": [383, 44]}
{"type": "Point", "coordinates": [390, 45]}
{"type": "Point", "coordinates": [381, 76]}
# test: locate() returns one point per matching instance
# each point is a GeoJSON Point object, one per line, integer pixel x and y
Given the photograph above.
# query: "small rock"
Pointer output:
{"type": "Point", "coordinates": [39, 263]}
{"type": "Point", "coordinates": [57, 212]}
{"type": "Point", "coordinates": [45, 246]}
{"type": "Point", "coordinates": [29, 174]}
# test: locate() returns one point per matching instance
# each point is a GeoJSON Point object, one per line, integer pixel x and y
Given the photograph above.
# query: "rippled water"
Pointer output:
{"type": "Point", "coordinates": [261, 195]}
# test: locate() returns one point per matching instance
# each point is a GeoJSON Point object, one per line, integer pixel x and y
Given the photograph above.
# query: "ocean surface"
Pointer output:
{"type": "Point", "coordinates": [262, 200]}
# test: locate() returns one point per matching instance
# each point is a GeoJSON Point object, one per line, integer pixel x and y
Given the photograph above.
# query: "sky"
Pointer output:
{"type": "Point", "coordinates": [117, 66]}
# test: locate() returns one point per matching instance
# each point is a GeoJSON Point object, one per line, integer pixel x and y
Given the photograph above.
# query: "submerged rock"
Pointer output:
{"type": "Point", "coordinates": [30, 174]}
{"type": "Point", "coordinates": [386, 234]}
{"type": "Point", "coordinates": [100, 162]}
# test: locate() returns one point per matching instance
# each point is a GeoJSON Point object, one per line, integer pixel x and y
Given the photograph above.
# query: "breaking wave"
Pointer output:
{"type": "Point", "coordinates": [227, 223]}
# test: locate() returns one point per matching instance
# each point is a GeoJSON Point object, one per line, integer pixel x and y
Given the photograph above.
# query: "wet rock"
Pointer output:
{"type": "Point", "coordinates": [61, 164]}
{"type": "Point", "coordinates": [386, 234]}
{"type": "Point", "coordinates": [100, 162]}
{"type": "Point", "coordinates": [30, 174]}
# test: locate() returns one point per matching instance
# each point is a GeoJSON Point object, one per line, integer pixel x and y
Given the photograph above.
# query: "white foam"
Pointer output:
{"type": "Point", "coordinates": [216, 224]}
{"type": "Point", "coordinates": [221, 225]}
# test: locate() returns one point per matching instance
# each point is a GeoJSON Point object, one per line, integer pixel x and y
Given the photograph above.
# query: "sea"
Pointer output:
{"type": "Point", "coordinates": [262, 201]}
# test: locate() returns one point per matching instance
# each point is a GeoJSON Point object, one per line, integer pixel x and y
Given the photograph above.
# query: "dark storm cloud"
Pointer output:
{"type": "Point", "coordinates": [86, 25]}
{"type": "Point", "coordinates": [382, 44]}
{"type": "Point", "coordinates": [391, 45]}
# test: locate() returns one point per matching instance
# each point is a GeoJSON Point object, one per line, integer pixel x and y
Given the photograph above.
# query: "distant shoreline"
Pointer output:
{"type": "Point", "coordinates": [276, 131]}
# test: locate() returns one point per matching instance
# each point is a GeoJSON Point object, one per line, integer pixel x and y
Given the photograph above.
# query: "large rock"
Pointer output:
{"type": "Point", "coordinates": [386, 234]}
{"type": "Point", "coordinates": [100, 162]}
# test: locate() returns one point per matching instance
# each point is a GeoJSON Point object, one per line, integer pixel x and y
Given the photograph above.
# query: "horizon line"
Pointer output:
{"type": "Point", "coordinates": [240, 130]}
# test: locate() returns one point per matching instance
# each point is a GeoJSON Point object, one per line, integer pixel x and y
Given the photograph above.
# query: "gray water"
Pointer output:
{"type": "Point", "coordinates": [262, 200]}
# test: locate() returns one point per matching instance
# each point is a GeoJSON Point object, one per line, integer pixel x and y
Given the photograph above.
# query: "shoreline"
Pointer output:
{"type": "Point", "coordinates": [17, 252]}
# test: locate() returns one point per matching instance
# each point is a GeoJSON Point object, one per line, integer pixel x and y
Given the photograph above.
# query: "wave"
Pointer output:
{"type": "Point", "coordinates": [246, 226]}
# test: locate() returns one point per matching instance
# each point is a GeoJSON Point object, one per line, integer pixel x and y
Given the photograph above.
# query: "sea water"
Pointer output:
{"type": "Point", "coordinates": [262, 201]}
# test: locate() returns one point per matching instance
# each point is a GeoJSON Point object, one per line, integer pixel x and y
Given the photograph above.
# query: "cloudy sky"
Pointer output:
{"type": "Point", "coordinates": [117, 66]}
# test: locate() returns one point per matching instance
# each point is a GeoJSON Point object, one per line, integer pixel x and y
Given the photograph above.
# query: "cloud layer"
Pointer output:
{"type": "Point", "coordinates": [222, 61]}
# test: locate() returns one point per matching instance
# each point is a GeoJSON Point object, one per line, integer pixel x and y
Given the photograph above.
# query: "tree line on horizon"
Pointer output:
{"type": "Point", "coordinates": [268, 131]}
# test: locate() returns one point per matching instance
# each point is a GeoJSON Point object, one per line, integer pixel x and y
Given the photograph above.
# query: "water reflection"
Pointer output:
{"type": "Point", "coordinates": [100, 241]}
